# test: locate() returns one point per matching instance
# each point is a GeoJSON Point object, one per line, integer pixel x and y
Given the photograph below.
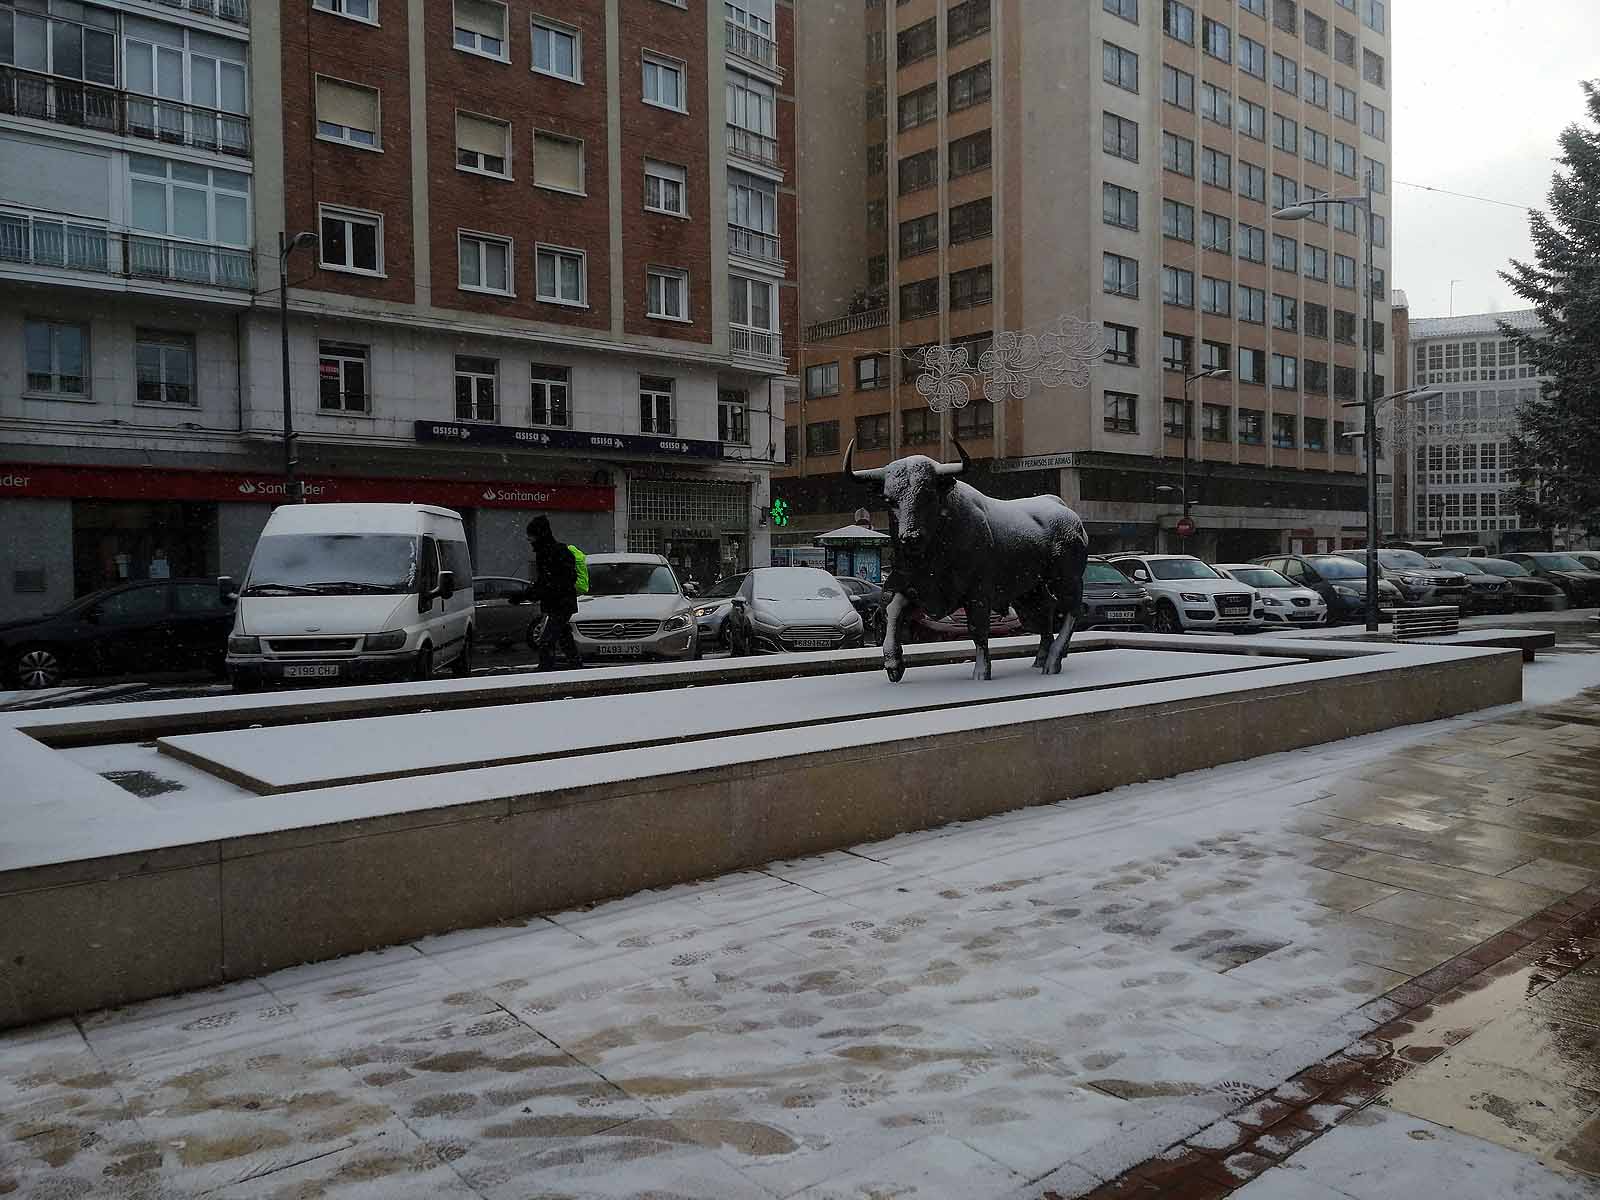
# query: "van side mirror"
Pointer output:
{"type": "Point", "coordinates": [227, 590]}
{"type": "Point", "coordinates": [1140, 575]}
{"type": "Point", "coordinates": [447, 585]}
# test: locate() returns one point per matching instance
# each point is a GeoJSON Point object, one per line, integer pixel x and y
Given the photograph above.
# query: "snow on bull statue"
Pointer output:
{"type": "Point", "coordinates": [954, 548]}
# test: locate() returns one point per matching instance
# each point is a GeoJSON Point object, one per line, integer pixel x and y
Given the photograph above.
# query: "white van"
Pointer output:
{"type": "Point", "coordinates": [353, 592]}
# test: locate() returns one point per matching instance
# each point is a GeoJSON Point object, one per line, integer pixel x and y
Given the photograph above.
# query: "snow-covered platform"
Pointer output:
{"type": "Point", "coordinates": [150, 848]}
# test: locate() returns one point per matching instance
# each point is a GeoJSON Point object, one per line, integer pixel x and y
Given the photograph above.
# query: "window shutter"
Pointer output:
{"type": "Point", "coordinates": [480, 135]}
{"type": "Point", "coordinates": [558, 162]}
{"type": "Point", "coordinates": [481, 18]}
{"type": "Point", "coordinates": [348, 105]}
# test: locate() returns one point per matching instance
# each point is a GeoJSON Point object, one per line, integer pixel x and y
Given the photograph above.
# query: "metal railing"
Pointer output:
{"type": "Point", "coordinates": [754, 244]}
{"type": "Point", "coordinates": [54, 240]}
{"type": "Point", "coordinates": [754, 343]}
{"type": "Point", "coordinates": [752, 146]}
{"type": "Point", "coordinates": [873, 318]}
{"type": "Point", "coordinates": [235, 11]}
{"type": "Point", "coordinates": [25, 93]}
{"type": "Point", "coordinates": [753, 47]}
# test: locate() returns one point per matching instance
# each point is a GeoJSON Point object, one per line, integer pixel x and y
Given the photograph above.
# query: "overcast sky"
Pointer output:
{"type": "Point", "coordinates": [1482, 89]}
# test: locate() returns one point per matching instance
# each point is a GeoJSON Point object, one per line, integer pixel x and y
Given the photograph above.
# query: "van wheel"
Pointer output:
{"type": "Point", "coordinates": [424, 668]}
{"type": "Point", "coordinates": [1167, 618]}
{"type": "Point", "coordinates": [462, 667]}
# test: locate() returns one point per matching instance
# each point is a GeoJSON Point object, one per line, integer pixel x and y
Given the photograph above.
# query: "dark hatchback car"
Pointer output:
{"type": "Point", "coordinates": [156, 625]}
{"type": "Point", "coordinates": [1522, 591]}
{"type": "Point", "coordinates": [1113, 601]}
{"type": "Point", "coordinates": [1340, 581]}
{"type": "Point", "coordinates": [867, 598]}
{"type": "Point", "coordinates": [1580, 585]}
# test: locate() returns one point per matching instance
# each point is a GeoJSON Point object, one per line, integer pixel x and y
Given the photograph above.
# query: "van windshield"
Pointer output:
{"type": "Point", "coordinates": [333, 564]}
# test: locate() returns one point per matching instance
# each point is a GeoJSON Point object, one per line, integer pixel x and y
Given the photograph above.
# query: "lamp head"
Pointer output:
{"type": "Point", "coordinates": [1295, 212]}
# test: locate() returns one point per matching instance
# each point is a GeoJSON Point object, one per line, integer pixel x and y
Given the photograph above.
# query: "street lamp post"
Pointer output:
{"type": "Point", "coordinates": [286, 247]}
{"type": "Point", "coordinates": [1369, 446]}
{"type": "Point", "coordinates": [1188, 422]}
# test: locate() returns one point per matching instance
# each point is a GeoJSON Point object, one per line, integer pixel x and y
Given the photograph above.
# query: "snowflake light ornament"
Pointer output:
{"type": "Point", "coordinates": [1008, 366]}
{"type": "Point", "coordinates": [1067, 355]}
{"type": "Point", "coordinates": [943, 381]}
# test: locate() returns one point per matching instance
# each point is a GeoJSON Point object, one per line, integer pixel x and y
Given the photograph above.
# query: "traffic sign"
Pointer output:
{"type": "Point", "coordinates": [1186, 527]}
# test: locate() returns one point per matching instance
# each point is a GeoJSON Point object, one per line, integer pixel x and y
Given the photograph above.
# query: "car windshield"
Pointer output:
{"type": "Point", "coordinates": [1259, 577]}
{"type": "Point", "coordinates": [1403, 560]}
{"type": "Point", "coordinates": [333, 564]}
{"type": "Point", "coordinates": [1103, 573]}
{"type": "Point", "coordinates": [1559, 562]}
{"type": "Point", "coordinates": [1339, 568]}
{"type": "Point", "coordinates": [794, 583]}
{"type": "Point", "coordinates": [1499, 566]}
{"type": "Point", "coordinates": [723, 588]}
{"type": "Point", "coordinates": [1456, 564]}
{"type": "Point", "coordinates": [1181, 568]}
{"type": "Point", "coordinates": [631, 579]}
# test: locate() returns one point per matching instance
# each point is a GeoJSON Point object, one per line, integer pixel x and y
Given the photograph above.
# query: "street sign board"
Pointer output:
{"type": "Point", "coordinates": [1186, 527]}
{"type": "Point", "coordinates": [460, 433]}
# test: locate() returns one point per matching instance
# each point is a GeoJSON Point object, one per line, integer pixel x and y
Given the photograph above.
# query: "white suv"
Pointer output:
{"type": "Point", "coordinates": [1190, 595]}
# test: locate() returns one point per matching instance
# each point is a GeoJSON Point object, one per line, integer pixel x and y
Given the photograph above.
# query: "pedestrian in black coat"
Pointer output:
{"type": "Point", "coordinates": [555, 586]}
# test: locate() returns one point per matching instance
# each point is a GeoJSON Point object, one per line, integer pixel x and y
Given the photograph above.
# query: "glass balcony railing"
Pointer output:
{"type": "Point", "coordinates": [63, 101]}
{"type": "Point", "coordinates": [55, 240]}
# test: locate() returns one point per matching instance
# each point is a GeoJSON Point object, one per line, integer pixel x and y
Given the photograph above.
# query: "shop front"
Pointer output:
{"type": "Point", "coordinates": [701, 526]}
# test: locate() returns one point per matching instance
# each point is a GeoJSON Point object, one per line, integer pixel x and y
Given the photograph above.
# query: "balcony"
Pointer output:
{"type": "Point", "coordinates": [872, 318]}
{"type": "Point", "coordinates": [236, 12]}
{"type": "Point", "coordinates": [753, 147]}
{"type": "Point", "coordinates": [63, 101]}
{"type": "Point", "coordinates": [755, 343]}
{"type": "Point", "coordinates": [56, 240]}
{"type": "Point", "coordinates": [756, 246]}
{"type": "Point", "coordinates": [753, 47]}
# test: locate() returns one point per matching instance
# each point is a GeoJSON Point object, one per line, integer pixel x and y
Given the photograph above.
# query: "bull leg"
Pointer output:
{"type": "Point", "coordinates": [892, 661]}
{"type": "Point", "coordinates": [1047, 634]}
{"type": "Point", "coordinates": [978, 626]}
{"type": "Point", "coordinates": [1058, 649]}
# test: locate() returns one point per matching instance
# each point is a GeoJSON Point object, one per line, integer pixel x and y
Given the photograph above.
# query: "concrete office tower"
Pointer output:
{"type": "Point", "coordinates": [555, 271]}
{"type": "Point", "coordinates": [1001, 163]}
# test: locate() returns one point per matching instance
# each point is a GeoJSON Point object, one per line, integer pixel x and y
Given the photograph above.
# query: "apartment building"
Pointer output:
{"type": "Point", "coordinates": [1451, 448]}
{"type": "Point", "coordinates": [546, 262]}
{"type": "Point", "coordinates": [1118, 162]}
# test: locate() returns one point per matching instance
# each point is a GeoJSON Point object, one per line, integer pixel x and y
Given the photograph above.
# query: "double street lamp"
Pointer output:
{"type": "Point", "coordinates": [286, 246]}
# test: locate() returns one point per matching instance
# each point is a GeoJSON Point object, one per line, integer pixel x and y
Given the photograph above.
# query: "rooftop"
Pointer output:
{"type": "Point", "coordinates": [1474, 324]}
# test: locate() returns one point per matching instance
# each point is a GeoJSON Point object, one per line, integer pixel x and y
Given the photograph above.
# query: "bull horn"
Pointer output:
{"type": "Point", "coordinates": [955, 468]}
{"type": "Point", "coordinates": [873, 474]}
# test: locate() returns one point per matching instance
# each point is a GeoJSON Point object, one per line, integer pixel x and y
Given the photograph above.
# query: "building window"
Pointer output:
{"type": "Point", "coordinates": [664, 188]}
{"type": "Point", "coordinates": [342, 377]}
{"type": "Point", "coordinates": [1177, 21]}
{"type": "Point", "coordinates": [919, 235]}
{"type": "Point", "coordinates": [1177, 220]}
{"type": "Point", "coordinates": [918, 107]}
{"type": "Point", "coordinates": [1344, 103]}
{"type": "Point", "coordinates": [1252, 57]}
{"type": "Point", "coordinates": [1344, 159]}
{"type": "Point", "coordinates": [1283, 431]}
{"type": "Point", "coordinates": [1285, 312]}
{"type": "Point", "coordinates": [1177, 287]}
{"type": "Point", "coordinates": [1214, 423]}
{"type": "Point", "coordinates": [822, 438]}
{"type": "Point", "coordinates": [483, 145]}
{"type": "Point", "coordinates": [877, 47]}
{"type": "Point", "coordinates": [194, 203]}
{"type": "Point", "coordinates": [1128, 10]}
{"type": "Point", "coordinates": [1316, 147]}
{"type": "Point", "coordinates": [1344, 323]}
{"type": "Point", "coordinates": [1284, 15]}
{"type": "Point", "coordinates": [351, 241]}
{"type": "Point", "coordinates": [1379, 173]}
{"type": "Point", "coordinates": [1121, 412]}
{"type": "Point", "coordinates": [347, 112]}
{"type": "Point", "coordinates": [1285, 74]}
{"type": "Point", "coordinates": [1252, 120]}
{"type": "Point", "coordinates": [1122, 344]}
{"type": "Point", "coordinates": [1316, 262]}
{"type": "Point", "coordinates": [1314, 318]}
{"type": "Point", "coordinates": [655, 404]}
{"type": "Point", "coordinates": [1316, 89]}
{"type": "Point", "coordinates": [918, 171]}
{"type": "Point", "coordinates": [969, 87]}
{"type": "Point", "coordinates": [1175, 418]}
{"type": "Point", "coordinates": [877, 158]}
{"type": "Point", "coordinates": [1344, 48]}
{"type": "Point", "coordinates": [1314, 376]}
{"type": "Point", "coordinates": [551, 396]}
{"type": "Point", "coordinates": [967, 20]}
{"type": "Point", "coordinates": [1174, 352]}
{"type": "Point", "coordinates": [1252, 182]}
{"type": "Point", "coordinates": [791, 444]}
{"type": "Point", "coordinates": [1216, 296]}
{"type": "Point", "coordinates": [1214, 356]}
{"type": "Point", "coordinates": [1285, 192]}
{"type": "Point", "coordinates": [481, 28]}
{"type": "Point", "coordinates": [919, 299]}
{"type": "Point", "coordinates": [164, 368]}
{"type": "Point", "coordinates": [919, 426]}
{"type": "Point", "coordinates": [1121, 275]}
{"type": "Point", "coordinates": [1119, 67]}
{"type": "Point", "coordinates": [485, 264]}
{"type": "Point", "coordinates": [558, 162]}
{"type": "Point", "coordinates": [971, 288]}
{"type": "Point", "coordinates": [822, 379]}
{"type": "Point", "coordinates": [1316, 32]}
{"type": "Point", "coordinates": [1252, 426]}
{"type": "Point", "coordinates": [1252, 305]}
{"type": "Point", "coordinates": [969, 154]}
{"type": "Point", "coordinates": [1285, 372]}
{"type": "Point", "coordinates": [1372, 68]}
{"type": "Point", "coordinates": [916, 43]}
{"type": "Point", "coordinates": [667, 294]}
{"type": "Point", "coordinates": [476, 380]}
{"type": "Point", "coordinates": [971, 221]}
{"type": "Point", "coordinates": [1344, 271]}
{"type": "Point", "coordinates": [1177, 154]}
{"type": "Point", "coordinates": [663, 83]}
{"type": "Point", "coordinates": [733, 417]}
{"type": "Point", "coordinates": [1252, 366]}
{"type": "Point", "coordinates": [560, 275]}
{"type": "Point", "coordinates": [356, 10]}
{"type": "Point", "coordinates": [1217, 40]}
{"type": "Point", "coordinates": [1216, 104]}
{"type": "Point", "coordinates": [872, 431]}
{"type": "Point", "coordinates": [1119, 136]}
{"type": "Point", "coordinates": [1120, 206]}
{"type": "Point", "coordinates": [1285, 134]}
{"type": "Point", "coordinates": [1373, 122]}
{"type": "Point", "coordinates": [974, 422]}
{"type": "Point", "coordinates": [872, 372]}
{"type": "Point", "coordinates": [557, 50]}
{"type": "Point", "coordinates": [1372, 12]}
{"type": "Point", "coordinates": [1216, 233]}
{"type": "Point", "coordinates": [1216, 169]}
{"type": "Point", "coordinates": [1177, 87]}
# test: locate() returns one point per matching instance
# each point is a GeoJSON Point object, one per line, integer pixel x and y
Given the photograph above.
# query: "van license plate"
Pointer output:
{"type": "Point", "coordinates": [619, 649]}
{"type": "Point", "coordinates": [1120, 614]}
{"type": "Point", "coordinates": [312, 671]}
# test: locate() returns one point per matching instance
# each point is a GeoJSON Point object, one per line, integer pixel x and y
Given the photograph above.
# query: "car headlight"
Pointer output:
{"type": "Point", "coordinates": [853, 621]}
{"type": "Point", "coordinates": [676, 623]}
{"type": "Point", "coordinates": [1349, 593]}
{"type": "Point", "coordinates": [1413, 581]}
{"type": "Point", "coordinates": [705, 610]}
{"type": "Point", "coordinates": [244, 645]}
{"type": "Point", "coordinates": [393, 640]}
{"type": "Point", "coordinates": [1273, 602]}
{"type": "Point", "coordinates": [1194, 597]}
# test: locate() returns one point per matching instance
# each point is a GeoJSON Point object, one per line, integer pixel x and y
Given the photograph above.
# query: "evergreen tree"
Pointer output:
{"type": "Point", "coordinates": [1556, 450]}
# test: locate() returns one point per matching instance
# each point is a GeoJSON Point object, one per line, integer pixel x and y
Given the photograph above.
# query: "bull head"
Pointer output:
{"type": "Point", "coordinates": [914, 487]}
{"type": "Point", "coordinates": [880, 474]}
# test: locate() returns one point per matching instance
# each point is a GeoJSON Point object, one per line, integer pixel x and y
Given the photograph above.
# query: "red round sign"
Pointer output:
{"type": "Point", "coordinates": [1185, 527]}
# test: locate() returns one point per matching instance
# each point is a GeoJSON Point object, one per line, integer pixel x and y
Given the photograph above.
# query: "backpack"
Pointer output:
{"type": "Point", "coordinates": [582, 565]}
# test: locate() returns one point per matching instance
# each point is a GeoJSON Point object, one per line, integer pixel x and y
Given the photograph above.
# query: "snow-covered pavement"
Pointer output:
{"type": "Point", "coordinates": [1037, 1000]}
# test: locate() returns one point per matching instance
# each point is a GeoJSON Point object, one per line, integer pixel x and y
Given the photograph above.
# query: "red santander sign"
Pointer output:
{"type": "Point", "coordinates": [140, 483]}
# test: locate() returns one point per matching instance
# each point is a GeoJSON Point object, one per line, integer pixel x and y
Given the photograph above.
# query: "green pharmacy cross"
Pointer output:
{"type": "Point", "coordinates": [779, 512]}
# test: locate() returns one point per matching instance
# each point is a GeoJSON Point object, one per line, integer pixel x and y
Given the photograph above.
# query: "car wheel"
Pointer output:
{"type": "Point", "coordinates": [1167, 618]}
{"type": "Point", "coordinates": [37, 667]}
{"type": "Point", "coordinates": [423, 671]}
{"type": "Point", "coordinates": [535, 628]}
{"type": "Point", "coordinates": [462, 667]}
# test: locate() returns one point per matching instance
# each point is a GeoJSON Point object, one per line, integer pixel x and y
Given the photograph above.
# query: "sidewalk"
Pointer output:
{"type": "Point", "coordinates": [1034, 1005]}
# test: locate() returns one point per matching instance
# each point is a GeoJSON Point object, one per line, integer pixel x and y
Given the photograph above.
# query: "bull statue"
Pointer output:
{"type": "Point", "coordinates": [957, 548]}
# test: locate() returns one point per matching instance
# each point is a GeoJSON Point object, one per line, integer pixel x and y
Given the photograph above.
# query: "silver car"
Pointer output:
{"type": "Point", "coordinates": [504, 611]}
{"type": "Point", "coordinates": [782, 609]}
{"type": "Point", "coordinates": [711, 609]}
{"type": "Point", "coordinates": [635, 608]}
